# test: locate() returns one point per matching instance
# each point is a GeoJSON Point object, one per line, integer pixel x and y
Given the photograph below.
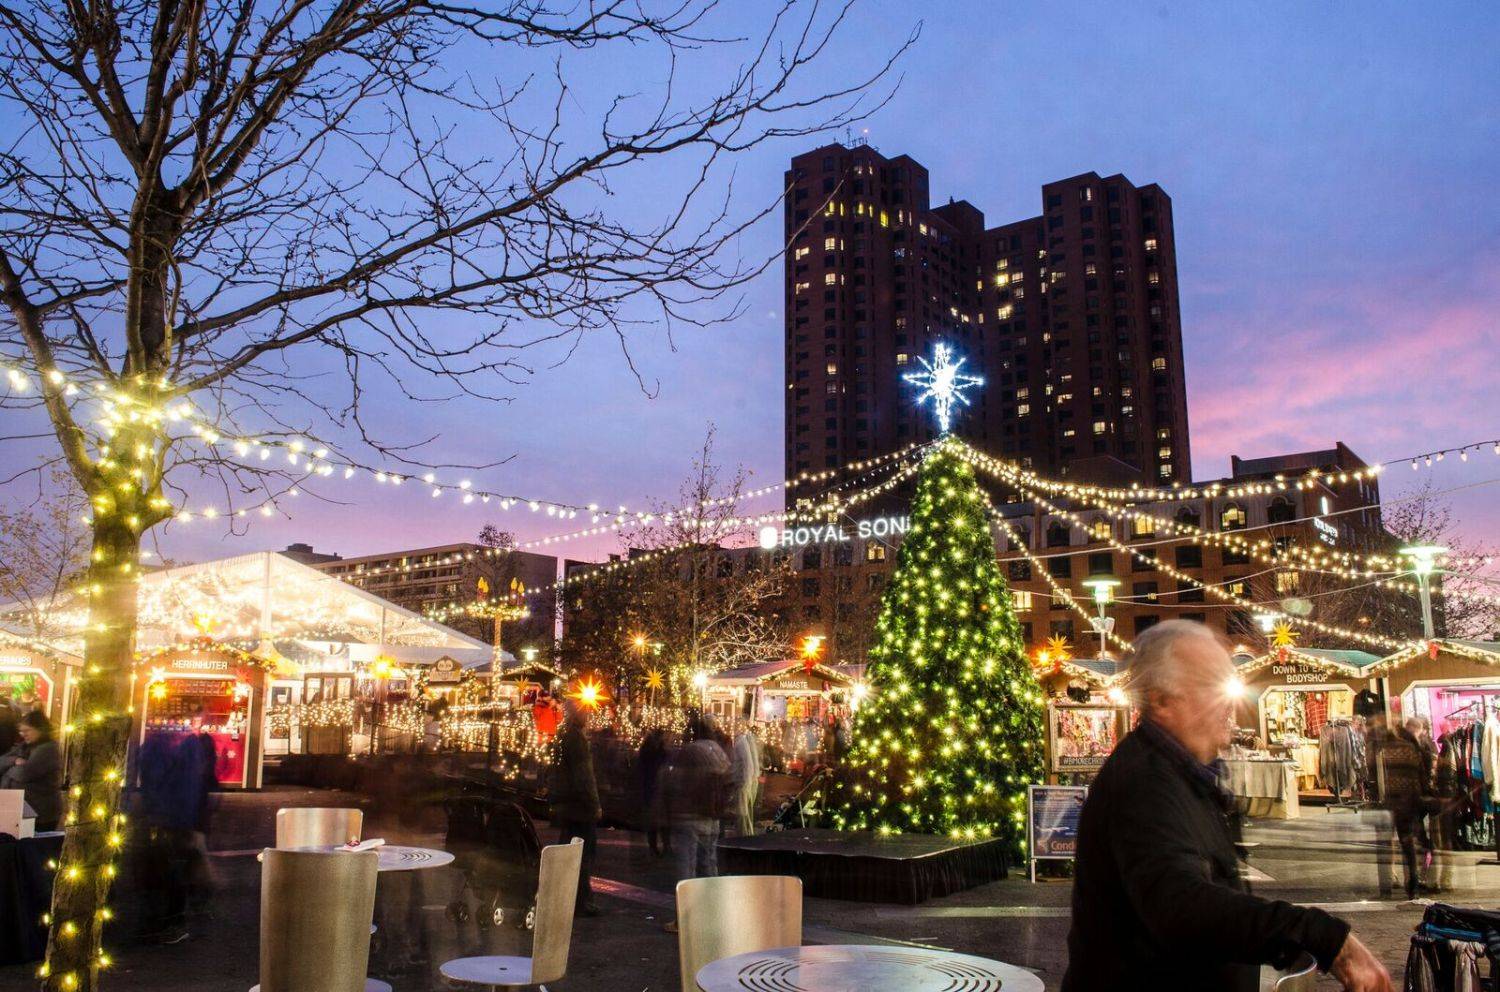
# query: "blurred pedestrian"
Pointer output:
{"type": "Point", "coordinates": [10, 723]}
{"type": "Point", "coordinates": [745, 780]}
{"type": "Point", "coordinates": [1158, 901]}
{"type": "Point", "coordinates": [650, 765]}
{"type": "Point", "coordinates": [34, 765]}
{"type": "Point", "coordinates": [1404, 787]}
{"type": "Point", "coordinates": [697, 784]}
{"type": "Point", "coordinates": [172, 774]}
{"type": "Point", "coordinates": [574, 794]}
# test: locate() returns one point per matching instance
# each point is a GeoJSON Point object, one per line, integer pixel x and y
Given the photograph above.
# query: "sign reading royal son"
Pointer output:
{"type": "Point", "coordinates": [796, 537]}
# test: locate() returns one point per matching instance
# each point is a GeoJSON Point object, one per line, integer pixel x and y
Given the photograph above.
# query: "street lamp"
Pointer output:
{"type": "Point", "coordinates": [1103, 587]}
{"type": "Point", "coordinates": [1424, 563]}
{"type": "Point", "coordinates": [700, 682]}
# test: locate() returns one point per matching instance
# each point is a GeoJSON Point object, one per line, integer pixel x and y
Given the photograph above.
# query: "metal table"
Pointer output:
{"type": "Point", "coordinates": [862, 968]}
{"type": "Point", "coordinates": [397, 857]}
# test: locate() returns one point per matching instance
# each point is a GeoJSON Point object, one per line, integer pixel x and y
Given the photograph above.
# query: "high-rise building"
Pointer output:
{"type": "Point", "coordinates": [1072, 317]}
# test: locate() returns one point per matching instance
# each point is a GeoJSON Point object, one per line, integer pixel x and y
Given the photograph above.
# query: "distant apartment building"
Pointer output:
{"type": "Point", "coordinates": [1072, 317]}
{"type": "Point", "coordinates": [422, 579]}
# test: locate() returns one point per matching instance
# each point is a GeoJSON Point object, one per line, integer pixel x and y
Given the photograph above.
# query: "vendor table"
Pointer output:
{"type": "Point", "coordinates": [862, 968]}
{"type": "Point", "coordinates": [1263, 787]}
{"type": "Point", "coordinates": [25, 896]}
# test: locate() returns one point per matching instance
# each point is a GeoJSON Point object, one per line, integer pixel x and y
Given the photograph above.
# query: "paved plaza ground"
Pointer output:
{"type": "Point", "coordinates": [1325, 858]}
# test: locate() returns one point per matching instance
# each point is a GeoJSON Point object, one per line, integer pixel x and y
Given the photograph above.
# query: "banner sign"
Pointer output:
{"type": "Point", "coordinates": [1080, 737]}
{"type": "Point", "coordinates": [1052, 815]}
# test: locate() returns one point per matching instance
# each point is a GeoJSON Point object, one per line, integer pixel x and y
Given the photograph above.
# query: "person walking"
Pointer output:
{"type": "Point", "coordinates": [575, 797]}
{"type": "Point", "coordinates": [1158, 902]}
{"type": "Point", "coordinates": [34, 766]}
{"type": "Point", "coordinates": [696, 787]}
{"type": "Point", "coordinates": [650, 763]}
{"type": "Point", "coordinates": [1405, 784]}
{"type": "Point", "coordinates": [745, 780]}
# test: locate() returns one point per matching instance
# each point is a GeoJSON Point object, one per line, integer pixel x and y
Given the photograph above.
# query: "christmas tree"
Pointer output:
{"type": "Point", "coordinates": [951, 733]}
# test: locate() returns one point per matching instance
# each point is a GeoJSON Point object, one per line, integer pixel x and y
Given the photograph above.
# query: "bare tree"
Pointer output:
{"type": "Point", "coordinates": [241, 215]}
{"type": "Point", "coordinates": [1463, 600]}
{"type": "Point", "coordinates": [44, 547]}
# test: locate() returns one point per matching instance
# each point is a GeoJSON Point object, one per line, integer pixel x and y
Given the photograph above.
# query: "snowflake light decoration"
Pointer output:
{"type": "Point", "coordinates": [943, 382]}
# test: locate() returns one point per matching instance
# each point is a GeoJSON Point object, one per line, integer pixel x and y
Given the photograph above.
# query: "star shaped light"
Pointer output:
{"type": "Point", "coordinates": [943, 382]}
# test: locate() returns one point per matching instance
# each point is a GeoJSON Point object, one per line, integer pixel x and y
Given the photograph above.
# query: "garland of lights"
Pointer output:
{"type": "Point", "coordinates": [1256, 608]}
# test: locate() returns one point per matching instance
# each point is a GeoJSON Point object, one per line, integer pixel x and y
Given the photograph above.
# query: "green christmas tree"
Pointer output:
{"type": "Point", "coordinates": [951, 733]}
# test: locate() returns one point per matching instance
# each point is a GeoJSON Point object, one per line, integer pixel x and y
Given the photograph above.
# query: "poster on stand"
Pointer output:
{"type": "Point", "coordinates": [1080, 737]}
{"type": "Point", "coordinates": [1052, 814]}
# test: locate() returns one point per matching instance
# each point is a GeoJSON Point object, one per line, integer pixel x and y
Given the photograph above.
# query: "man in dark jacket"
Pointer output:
{"type": "Point", "coordinates": [1158, 902]}
{"type": "Point", "coordinates": [574, 795]}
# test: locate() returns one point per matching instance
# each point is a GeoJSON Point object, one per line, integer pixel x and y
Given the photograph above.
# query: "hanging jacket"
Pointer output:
{"type": "Point", "coordinates": [1490, 758]}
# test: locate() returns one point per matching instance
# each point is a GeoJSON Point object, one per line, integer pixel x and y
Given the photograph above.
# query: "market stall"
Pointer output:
{"type": "Point", "coordinates": [210, 690]}
{"type": "Point", "coordinates": [1293, 696]}
{"type": "Point", "coordinates": [779, 691]}
{"type": "Point", "coordinates": [35, 678]}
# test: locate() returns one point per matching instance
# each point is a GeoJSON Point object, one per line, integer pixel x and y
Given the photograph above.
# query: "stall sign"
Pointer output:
{"type": "Point", "coordinates": [1080, 738]}
{"type": "Point", "coordinates": [1052, 816]}
{"type": "Point", "coordinates": [1299, 673]}
{"type": "Point", "coordinates": [199, 665]}
{"type": "Point", "coordinates": [794, 683]}
{"type": "Point", "coordinates": [444, 670]}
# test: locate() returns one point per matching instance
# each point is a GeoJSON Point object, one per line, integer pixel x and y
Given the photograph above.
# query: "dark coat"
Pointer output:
{"type": "Point", "coordinates": [573, 791]}
{"type": "Point", "coordinates": [40, 776]}
{"type": "Point", "coordinates": [1158, 902]}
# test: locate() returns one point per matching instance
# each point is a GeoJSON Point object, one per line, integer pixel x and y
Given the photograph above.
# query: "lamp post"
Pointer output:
{"type": "Point", "coordinates": [700, 682]}
{"type": "Point", "coordinates": [1103, 588]}
{"type": "Point", "coordinates": [1424, 563]}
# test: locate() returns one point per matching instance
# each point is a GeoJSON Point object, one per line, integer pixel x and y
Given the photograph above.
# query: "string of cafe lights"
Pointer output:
{"type": "Point", "coordinates": [443, 611]}
{"type": "Point", "coordinates": [1255, 608]}
{"type": "Point", "coordinates": [1313, 560]}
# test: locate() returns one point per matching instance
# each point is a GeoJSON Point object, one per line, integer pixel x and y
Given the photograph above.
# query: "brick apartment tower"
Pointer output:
{"type": "Point", "coordinates": [1072, 317]}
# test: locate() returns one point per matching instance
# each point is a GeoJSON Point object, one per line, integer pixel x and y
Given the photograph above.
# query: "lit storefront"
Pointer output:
{"type": "Point", "coordinates": [31, 678]}
{"type": "Point", "coordinates": [776, 691]}
{"type": "Point", "coordinates": [1449, 683]}
{"type": "Point", "coordinates": [207, 689]}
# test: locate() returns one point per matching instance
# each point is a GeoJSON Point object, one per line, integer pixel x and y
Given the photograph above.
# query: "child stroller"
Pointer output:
{"type": "Point", "coordinates": [805, 808]}
{"type": "Point", "coordinates": [495, 847]}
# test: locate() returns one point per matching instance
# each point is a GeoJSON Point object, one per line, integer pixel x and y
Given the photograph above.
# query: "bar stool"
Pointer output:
{"type": "Point", "coordinates": [557, 892]}
{"type": "Point", "coordinates": [315, 912]}
{"type": "Point", "coordinates": [317, 826]}
{"type": "Point", "coordinates": [734, 914]}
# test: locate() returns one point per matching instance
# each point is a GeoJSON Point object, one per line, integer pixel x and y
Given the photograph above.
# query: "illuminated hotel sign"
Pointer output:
{"type": "Point", "coordinates": [1327, 532]}
{"type": "Point", "coordinates": [797, 537]}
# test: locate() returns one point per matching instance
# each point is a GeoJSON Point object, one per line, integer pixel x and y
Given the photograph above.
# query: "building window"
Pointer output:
{"type": "Point", "coordinates": [1158, 364]}
{"type": "Point", "coordinates": [1100, 426]}
{"type": "Point", "coordinates": [830, 278]}
{"type": "Point", "coordinates": [1019, 570]}
{"type": "Point", "coordinates": [1143, 592]}
{"type": "Point", "coordinates": [1190, 556]}
{"type": "Point", "coordinates": [1145, 621]}
{"type": "Point", "coordinates": [1280, 511]}
{"type": "Point", "coordinates": [833, 368]}
{"type": "Point", "coordinates": [1101, 563]}
{"type": "Point", "coordinates": [1233, 517]}
{"type": "Point", "coordinates": [810, 587]}
{"type": "Point", "coordinates": [1188, 517]}
{"type": "Point", "coordinates": [1060, 567]}
{"type": "Point", "coordinates": [1022, 599]}
{"type": "Point", "coordinates": [1023, 409]}
{"type": "Point", "coordinates": [1142, 526]}
{"type": "Point", "coordinates": [1057, 535]}
{"type": "Point", "coordinates": [902, 358]}
{"type": "Point", "coordinates": [1150, 244]}
{"type": "Point", "coordinates": [1286, 583]}
{"type": "Point", "coordinates": [874, 552]}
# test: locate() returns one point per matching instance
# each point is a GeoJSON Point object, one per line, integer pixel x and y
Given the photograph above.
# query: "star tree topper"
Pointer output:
{"type": "Point", "coordinates": [943, 382]}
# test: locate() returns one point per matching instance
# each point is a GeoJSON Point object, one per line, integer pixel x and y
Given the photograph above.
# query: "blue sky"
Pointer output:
{"type": "Point", "coordinates": [1332, 171]}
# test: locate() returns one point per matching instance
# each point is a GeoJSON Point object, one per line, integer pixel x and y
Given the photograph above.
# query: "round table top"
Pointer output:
{"type": "Point", "coordinates": [862, 968]}
{"type": "Point", "coordinates": [397, 857]}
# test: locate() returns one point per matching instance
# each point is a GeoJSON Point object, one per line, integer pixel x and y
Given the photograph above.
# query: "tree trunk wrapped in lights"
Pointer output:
{"type": "Point", "coordinates": [951, 733]}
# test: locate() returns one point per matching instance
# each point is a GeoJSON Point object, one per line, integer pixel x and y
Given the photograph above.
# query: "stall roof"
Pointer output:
{"type": "Point", "coordinates": [1344, 661]}
{"type": "Point", "coordinates": [765, 671]}
{"type": "Point", "coordinates": [267, 597]}
{"type": "Point", "coordinates": [1485, 651]}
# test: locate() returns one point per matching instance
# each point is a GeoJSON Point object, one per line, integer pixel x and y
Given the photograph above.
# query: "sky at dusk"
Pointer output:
{"type": "Point", "coordinates": [1331, 168]}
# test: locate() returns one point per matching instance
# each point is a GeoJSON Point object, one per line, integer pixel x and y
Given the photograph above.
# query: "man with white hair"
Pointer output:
{"type": "Point", "coordinates": [1158, 901]}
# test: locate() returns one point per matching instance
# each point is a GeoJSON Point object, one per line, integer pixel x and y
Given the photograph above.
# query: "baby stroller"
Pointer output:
{"type": "Point", "coordinates": [495, 846]}
{"type": "Point", "coordinates": [805, 808]}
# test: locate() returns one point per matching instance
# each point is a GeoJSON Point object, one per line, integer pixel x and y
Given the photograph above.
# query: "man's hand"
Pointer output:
{"type": "Point", "coordinates": [1358, 970]}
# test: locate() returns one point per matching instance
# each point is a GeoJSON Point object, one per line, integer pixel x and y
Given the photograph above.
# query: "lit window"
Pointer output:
{"type": "Point", "coordinates": [874, 552]}
{"type": "Point", "coordinates": [1003, 263]}
{"type": "Point", "coordinates": [802, 287]}
{"type": "Point", "coordinates": [831, 209]}
{"type": "Point", "coordinates": [1323, 505]}
{"type": "Point", "coordinates": [1126, 410]}
{"type": "Point", "coordinates": [1163, 453]}
{"type": "Point", "coordinates": [922, 228]}
{"type": "Point", "coordinates": [833, 368]}
{"type": "Point", "coordinates": [829, 244]}
{"type": "Point", "coordinates": [1090, 269]}
{"type": "Point", "coordinates": [1023, 409]}
{"type": "Point", "coordinates": [1057, 275]}
{"type": "Point", "coordinates": [1069, 432]}
{"type": "Point", "coordinates": [1024, 393]}
{"type": "Point", "coordinates": [1158, 364]}
{"type": "Point", "coordinates": [1150, 244]}
{"type": "Point", "coordinates": [1063, 397]}
{"type": "Point", "coordinates": [1005, 312]}
{"type": "Point", "coordinates": [1086, 195]}
{"type": "Point", "coordinates": [1019, 293]}
{"type": "Point", "coordinates": [831, 388]}
{"type": "Point", "coordinates": [1233, 517]}
{"type": "Point", "coordinates": [1100, 427]}
{"type": "Point", "coordinates": [1098, 390]}
{"type": "Point", "coordinates": [1163, 433]}
{"type": "Point", "coordinates": [1165, 471]}
{"type": "Point", "coordinates": [1154, 278]}
{"type": "Point", "coordinates": [802, 252]}
{"type": "Point", "coordinates": [829, 278]}
{"type": "Point", "coordinates": [902, 358]}
{"type": "Point", "coordinates": [1002, 280]}
{"type": "Point", "coordinates": [1021, 598]}
{"type": "Point", "coordinates": [885, 220]}
{"type": "Point", "coordinates": [1143, 526]}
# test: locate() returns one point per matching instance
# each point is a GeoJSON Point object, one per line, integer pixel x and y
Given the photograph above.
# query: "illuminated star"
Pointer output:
{"type": "Point", "coordinates": [943, 382]}
{"type": "Point", "coordinates": [1283, 636]}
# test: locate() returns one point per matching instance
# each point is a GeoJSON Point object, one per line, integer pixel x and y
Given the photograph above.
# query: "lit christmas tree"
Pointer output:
{"type": "Point", "coordinates": [951, 733]}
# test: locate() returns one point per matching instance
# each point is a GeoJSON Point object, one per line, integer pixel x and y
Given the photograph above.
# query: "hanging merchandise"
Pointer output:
{"type": "Point", "coordinates": [1336, 764]}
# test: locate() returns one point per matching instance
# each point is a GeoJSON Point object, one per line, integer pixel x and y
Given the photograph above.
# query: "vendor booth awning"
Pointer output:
{"type": "Point", "coordinates": [768, 673]}
{"type": "Point", "coordinates": [1328, 661]}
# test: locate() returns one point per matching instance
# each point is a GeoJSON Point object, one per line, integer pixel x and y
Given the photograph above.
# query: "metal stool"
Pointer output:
{"type": "Point", "coordinates": [557, 892]}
